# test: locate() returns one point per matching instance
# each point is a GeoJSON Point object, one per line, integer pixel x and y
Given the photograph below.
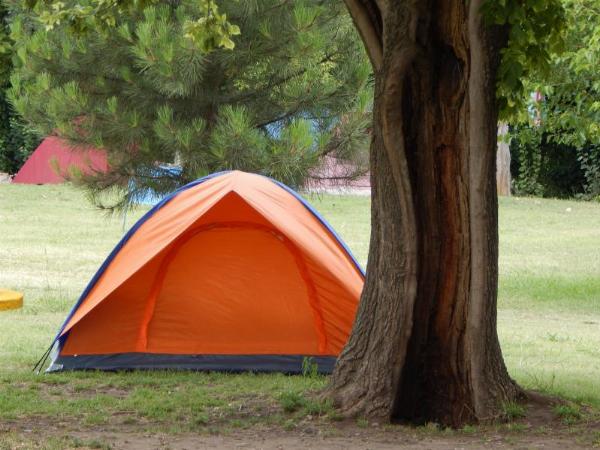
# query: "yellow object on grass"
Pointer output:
{"type": "Point", "coordinates": [10, 299]}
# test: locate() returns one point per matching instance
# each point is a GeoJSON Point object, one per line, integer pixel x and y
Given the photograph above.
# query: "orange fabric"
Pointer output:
{"type": "Point", "coordinates": [235, 265]}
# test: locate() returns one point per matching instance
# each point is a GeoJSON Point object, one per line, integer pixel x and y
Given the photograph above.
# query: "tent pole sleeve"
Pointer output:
{"type": "Point", "coordinates": [142, 340]}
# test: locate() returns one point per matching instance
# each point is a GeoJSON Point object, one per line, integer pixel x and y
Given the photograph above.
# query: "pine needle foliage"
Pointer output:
{"type": "Point", "coordinates": [17, 141]}
{"type": "Point", "coordinates": [294, 88]}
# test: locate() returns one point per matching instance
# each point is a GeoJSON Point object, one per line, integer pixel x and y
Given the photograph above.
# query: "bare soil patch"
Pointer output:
{"type": "Point", "coordinates": [542, 428]}
{"type": "Point", "coordinates": [350, 438]}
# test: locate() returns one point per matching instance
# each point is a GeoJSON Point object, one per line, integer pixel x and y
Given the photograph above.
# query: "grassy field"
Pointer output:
{"type": "Point", "coordinates": [52, 241]}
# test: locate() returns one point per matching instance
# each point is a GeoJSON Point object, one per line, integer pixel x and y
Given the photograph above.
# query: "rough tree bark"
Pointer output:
{"type": "Point", "coordinates": [424, 345]}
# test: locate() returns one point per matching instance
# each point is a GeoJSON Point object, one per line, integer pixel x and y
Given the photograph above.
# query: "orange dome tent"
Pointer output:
{"type": "Point", "coordinates": [232, 272]}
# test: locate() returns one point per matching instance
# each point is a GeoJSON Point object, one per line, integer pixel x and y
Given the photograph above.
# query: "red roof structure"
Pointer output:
{"type": "Point", "coordinates": [53, 160]}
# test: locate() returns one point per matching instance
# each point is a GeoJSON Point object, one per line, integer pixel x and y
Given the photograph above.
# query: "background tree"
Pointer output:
{"type": "Point", "coordinates": [17, 141]}
{"type": "Point", "coordinates": [543, 167]}
{"type": "Point", "coordinates": [146, 92]}
{"type": "Point", "coordinates": [557, 137]}
{"type": "Point", "coordinates": [503, 178]}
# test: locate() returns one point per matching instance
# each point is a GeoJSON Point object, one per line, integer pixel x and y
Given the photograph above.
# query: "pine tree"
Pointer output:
{"type": "Point", "coordinates": [17, 141]}
{"type": "Point", "coordinates": [294, 88]}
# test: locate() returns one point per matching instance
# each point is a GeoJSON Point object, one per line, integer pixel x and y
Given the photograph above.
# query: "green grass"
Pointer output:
{"type": "Point", "coordinates": [10, 441]}
{"type": "Point", "coordinates": [514, 411]}
{"type": "Point", "coordinates": [52, 241]}
{"type": "Point", "coordinates": [187, 401]}
{"type": "Point", "coordinates": [568, 413]}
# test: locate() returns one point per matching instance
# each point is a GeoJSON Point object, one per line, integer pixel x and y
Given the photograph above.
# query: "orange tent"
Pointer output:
{"type": "Point", "coordinates": [233, 272]}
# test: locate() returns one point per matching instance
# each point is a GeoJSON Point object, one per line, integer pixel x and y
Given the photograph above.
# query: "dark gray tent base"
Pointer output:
{"type": "Point", "coordinates": [291, 364]}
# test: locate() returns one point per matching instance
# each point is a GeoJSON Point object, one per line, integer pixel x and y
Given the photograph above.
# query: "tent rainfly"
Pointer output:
{"type": "Point", "coordinates": [232, 272]}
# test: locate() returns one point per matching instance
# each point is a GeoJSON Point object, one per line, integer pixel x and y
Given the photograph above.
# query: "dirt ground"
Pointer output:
{"type": "Point", "coordinates": [541, 429]}
{"type": "Point", "coordinates": [271, 439]}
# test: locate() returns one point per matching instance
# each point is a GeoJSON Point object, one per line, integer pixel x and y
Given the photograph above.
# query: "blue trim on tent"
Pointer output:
{"type": "Point", "coordinates": [291, 364]}
{"type": "Point", "coordinates": [321, 219]}
{"type": "Point", "coordinates": [124, 240]}
{"type": "Point", "coordinates": [157, 207]}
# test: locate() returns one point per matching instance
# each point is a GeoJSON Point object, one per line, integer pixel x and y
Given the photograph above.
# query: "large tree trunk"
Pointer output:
{"type": "Point", "coordinates": [424, 345]}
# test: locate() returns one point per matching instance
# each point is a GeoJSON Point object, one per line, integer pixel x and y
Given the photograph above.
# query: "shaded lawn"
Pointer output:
{"type": "Point", "coordinates": [52, 241]}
